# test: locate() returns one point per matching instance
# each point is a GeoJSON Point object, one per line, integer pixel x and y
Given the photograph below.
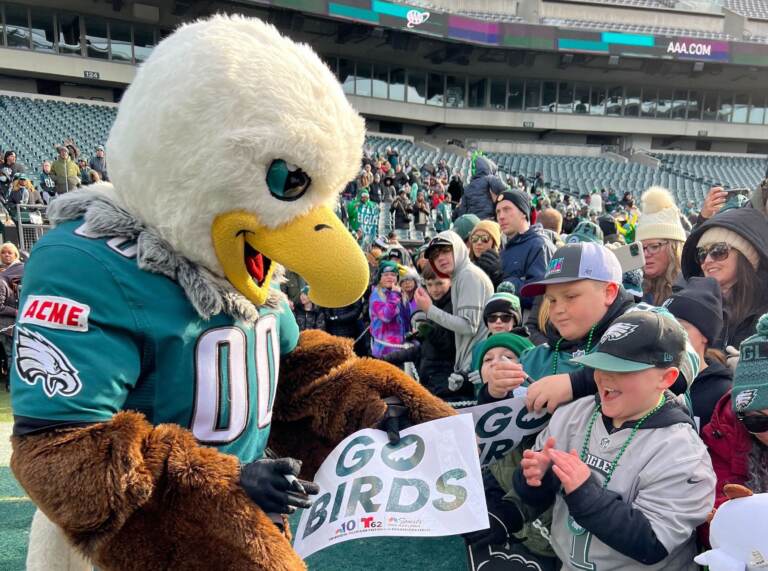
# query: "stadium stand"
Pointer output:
{"type": "Point", "coordinates": [749, 8]}
{"type": "Point", "coordinates": [32, 126]}
{"type": "Point", "coordinates": [710, 170]}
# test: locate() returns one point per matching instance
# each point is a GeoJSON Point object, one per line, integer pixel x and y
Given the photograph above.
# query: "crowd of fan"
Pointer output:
{"type": "Point", "coordinates": [68, 170]}
{"type": "Point", "coordinates": [523, 291]}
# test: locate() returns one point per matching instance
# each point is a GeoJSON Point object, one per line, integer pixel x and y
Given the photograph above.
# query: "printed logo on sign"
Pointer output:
{"type": "Point", "coordinates": [618, 331]}
{"type": "Point", "coordinates": [744, 399]}
{"type": "Point", "coordinates": [37, 359]}
{"type": "Point", "coordinates": [555, 266]}
{"type": "Point", "coordinates": [416, 18]}
{"type": "Point", "coordinates": [55, 313]}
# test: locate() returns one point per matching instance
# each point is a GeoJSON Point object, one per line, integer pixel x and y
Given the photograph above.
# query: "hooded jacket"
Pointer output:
{"type": "Point", "coordinates": [434, 357]}
{"type": "Point", "coordinates": [477, 197]}
{"type": "Point", "coordinates": [751, 225]}
{"type": "Point", "coordinates": [470, 289]}
{"type": "Point", "coordinates": [525, 258]}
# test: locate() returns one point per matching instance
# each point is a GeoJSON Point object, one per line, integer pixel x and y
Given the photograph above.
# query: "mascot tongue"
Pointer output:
{"type": "Point", "coordinates": [254, 263]}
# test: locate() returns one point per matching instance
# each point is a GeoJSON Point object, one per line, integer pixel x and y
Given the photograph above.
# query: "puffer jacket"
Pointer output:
{"type": "Point", "coordinates": [476, 198]}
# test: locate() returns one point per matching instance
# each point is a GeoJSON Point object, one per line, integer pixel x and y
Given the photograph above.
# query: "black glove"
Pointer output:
{"type": "Point", "coordinates": [395, 419]}
{"type": "Point", "coordinates": [504, 517]}
{"type": "Point", "coordinates": [490, 262]}
{"type": "Point", "coordinates": [268, 484]}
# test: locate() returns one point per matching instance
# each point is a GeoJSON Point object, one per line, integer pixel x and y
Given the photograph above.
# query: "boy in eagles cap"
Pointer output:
{"type": "Point", "coordinates": [628, 475]}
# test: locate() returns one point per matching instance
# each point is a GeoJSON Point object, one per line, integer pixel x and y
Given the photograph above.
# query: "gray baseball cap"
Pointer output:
{"type": "Point", "coordinates": [574, 262]}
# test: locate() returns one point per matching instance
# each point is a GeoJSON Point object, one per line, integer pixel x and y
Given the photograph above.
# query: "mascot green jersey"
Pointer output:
{"type": "Point", "coordinates": [216, 377]}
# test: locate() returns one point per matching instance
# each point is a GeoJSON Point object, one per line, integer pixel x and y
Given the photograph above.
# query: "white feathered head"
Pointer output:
{"type": "Point", "coordinates": [232, 142]}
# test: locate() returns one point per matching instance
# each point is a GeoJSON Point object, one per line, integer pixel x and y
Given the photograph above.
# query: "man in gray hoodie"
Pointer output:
{"type": "Point", "coordinates": [470, 289]}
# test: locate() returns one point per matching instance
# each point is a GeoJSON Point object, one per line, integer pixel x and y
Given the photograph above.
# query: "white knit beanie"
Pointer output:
{"type": "Point", "coordinates": [720, 234]}
{"type": "Point", "coordinates": [660, 217]}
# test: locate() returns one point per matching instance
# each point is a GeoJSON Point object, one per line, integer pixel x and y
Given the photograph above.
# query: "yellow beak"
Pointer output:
{"type": "Point", "coordinates": [316, 246]}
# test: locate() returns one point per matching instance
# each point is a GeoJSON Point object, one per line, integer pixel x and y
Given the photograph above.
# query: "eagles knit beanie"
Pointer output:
{"type": "Point", "coordinates": [586, 231]}
{"type": "Point", "coordinates": [701, 305]}
{"type": "Point", "coordinates": [515, 343]}
{"type": "Point", "coordinates": [660, 217]}
{"type": "Point", "coordinates": [750, 383]}
{"type": "Point", "coordinates": [735, 241]}
{"type": "Point", "coordinates": [387, 266]}
{"type": "Point", "coordinates": [491, 228]}
{"type": "Point", "coordinates": [464, 225]}
{"type": "Point", "coordinates": [521, 200]}
{"type": "Point", "coordinates": [503, 303]}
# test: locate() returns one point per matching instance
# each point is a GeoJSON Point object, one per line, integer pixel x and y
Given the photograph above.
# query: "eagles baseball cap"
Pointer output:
{"type": "Point", "coordinates": [637, 341]}
{"type": "Point", "coordinates": [573, 262]}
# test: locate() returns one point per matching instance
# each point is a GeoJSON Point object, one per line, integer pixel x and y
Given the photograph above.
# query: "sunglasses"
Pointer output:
{"type": "Point", "coordinates": [477, 238]}
{"type": "Point", "coordinates": [718, 252]}
{"type": "Point", "coordinates": [503, 317]}
{"type": "Point", "coordinates": [652, 249]}
{"type": "Point", "coordinates": [754, 424]}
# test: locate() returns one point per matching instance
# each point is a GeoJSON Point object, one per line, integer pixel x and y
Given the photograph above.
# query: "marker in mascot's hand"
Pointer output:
{"type": "Point", "coordinates": [295, 483]}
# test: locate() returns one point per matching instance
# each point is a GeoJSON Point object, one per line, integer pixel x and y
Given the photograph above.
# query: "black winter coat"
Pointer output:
{"type": "Point", "coordinates": [344, 321]}
{"type": "Point", "coordinates": [707, 388]}
{"type": "Point", "coordinates": [312, 319]}
{"type": "Point", "coordinates": [490, 262]}
{"type": "Point", "coordinates": [434, 358]}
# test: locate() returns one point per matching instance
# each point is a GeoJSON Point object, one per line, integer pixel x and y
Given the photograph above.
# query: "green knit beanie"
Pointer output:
{"type": "Point", "coordinates": [515, 343]}
{"type": "Point", "coordinates": [750, 381]}
{"type": "Point", "coordinates": [464, 225]}
{"type": "Point", "coordinates": [586, 231]}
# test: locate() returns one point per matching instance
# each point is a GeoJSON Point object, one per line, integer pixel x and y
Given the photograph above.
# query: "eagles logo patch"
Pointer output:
{"type": "Point", "coordinates": [744, 399]}
{"type": "Point", "coordinates": [37, 359]}
{"type": "Point", "coordinates": [618, 331]}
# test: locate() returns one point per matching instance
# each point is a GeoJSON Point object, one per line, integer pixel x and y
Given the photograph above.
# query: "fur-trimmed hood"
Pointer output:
{"type": "Point", "coordinates": [208, 293]}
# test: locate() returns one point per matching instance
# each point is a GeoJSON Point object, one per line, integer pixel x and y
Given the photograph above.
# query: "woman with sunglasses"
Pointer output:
{"type": "Point", "coordinates": [732, 247]}
{"type": "Point", "coordinates": [737, 435]}
{"type": "Point", "coordinates": [662, 235]}
{"type": "Point", "coordinates": [484, 243]}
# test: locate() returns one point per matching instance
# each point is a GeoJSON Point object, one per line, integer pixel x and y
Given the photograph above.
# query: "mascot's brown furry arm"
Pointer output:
{"type": "Point", "coordinates": [153, 355]}
{"type": "Point", "coordinates": [134, 496]}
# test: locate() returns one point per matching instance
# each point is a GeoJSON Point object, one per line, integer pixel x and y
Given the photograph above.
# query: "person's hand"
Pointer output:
{"type": "Point", "coordinates": [535, 464]}
{"type": "Point", "coordinates": [423, 301]}
{"type": "Point", "coordinates": [274, 487]}
{"type": "Point", "coordinates": [549, 392]}
{"type": "Point", "coordinates": [455, 381]}
{"type": "Point", "coordinates": [504, 377]}
{"type": "Point", "coordinates": [570, 469]}
{"type": "Point", "coordinates": [713, 202]}
{"type": "Point", "coordinates": [395, 419]}
{"type": "Point", "coordinates": [475, 378]}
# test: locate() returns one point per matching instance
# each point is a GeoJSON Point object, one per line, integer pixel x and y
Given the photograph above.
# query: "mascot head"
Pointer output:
{"type": "Point", "coordinates": [233, 142]}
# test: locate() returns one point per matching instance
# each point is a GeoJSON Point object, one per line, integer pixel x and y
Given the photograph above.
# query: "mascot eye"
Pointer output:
{"type": "Point", "coordinates": [287, 181]}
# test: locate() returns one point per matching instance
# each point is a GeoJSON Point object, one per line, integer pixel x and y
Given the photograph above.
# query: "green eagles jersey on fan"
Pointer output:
{"type": "Point", "coordinates": [96, 335]}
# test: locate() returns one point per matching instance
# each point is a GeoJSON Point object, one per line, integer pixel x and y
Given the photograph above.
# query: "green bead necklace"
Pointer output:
{"type": "Point", "coordinates": [556, 356]}
{"type": "Point", "coordinates": [574, 527]}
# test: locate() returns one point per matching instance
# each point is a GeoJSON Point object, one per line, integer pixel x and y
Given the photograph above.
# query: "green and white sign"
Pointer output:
{"type": "Point", "coordinates": [501, 426]}
{"type": "Point", "coordinates": [427, 485]}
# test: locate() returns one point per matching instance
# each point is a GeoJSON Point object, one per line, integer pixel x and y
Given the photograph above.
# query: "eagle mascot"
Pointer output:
{"type": "Point", "coordinates": [155, 360]}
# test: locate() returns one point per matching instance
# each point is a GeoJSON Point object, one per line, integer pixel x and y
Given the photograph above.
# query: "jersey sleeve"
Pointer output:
{"type": "Point", "coordinates": [76, 351]}
{"type": "Point", "coordinates": [678, 490]}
